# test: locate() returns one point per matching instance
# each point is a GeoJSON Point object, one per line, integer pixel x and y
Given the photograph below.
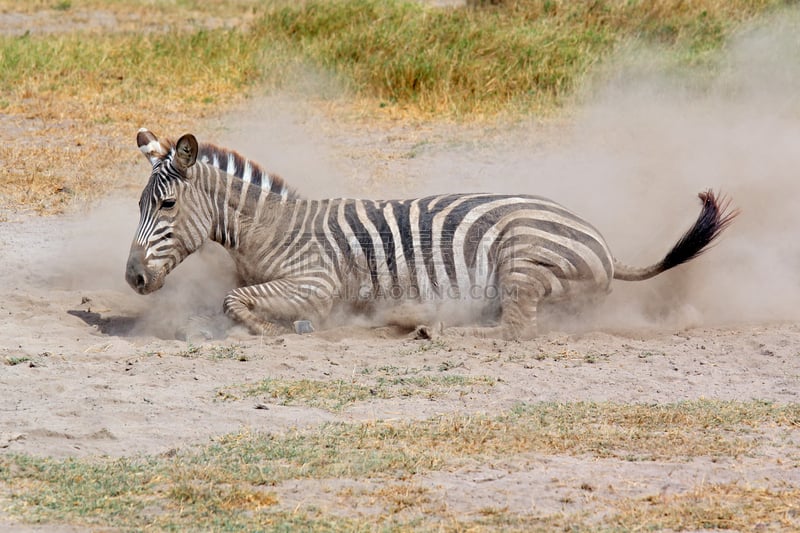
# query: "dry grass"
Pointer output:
{"type": "Point", "coordinates": [77, 86]}
{"type": "Point", "coordinates": [339, 394]}
{"type": "Point", "coordinates": [51, 168]}
{"type": "Point", "coordinates": [513, 57]}
{"type": "Point", "coordinates": [70, 106]}
{"type": "Point", "coordinates": [72, 102]}
{"type": "Point", "coordinates": [720, 506]}
{"type": "Point", "coordinates": [235, 483]}
{"type": "Point", "coordinates": [136, 9]}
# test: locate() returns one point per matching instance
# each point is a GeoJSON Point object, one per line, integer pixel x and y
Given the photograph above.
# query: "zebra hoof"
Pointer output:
{"type": "Point", "coordinates": [302, 327]}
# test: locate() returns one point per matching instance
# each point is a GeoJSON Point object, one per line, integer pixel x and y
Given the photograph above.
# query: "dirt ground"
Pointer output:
{"type": "Point", "coordinates": [91, 368]}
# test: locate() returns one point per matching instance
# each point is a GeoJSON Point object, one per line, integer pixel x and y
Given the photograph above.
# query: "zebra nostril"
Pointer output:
{"type": "Point", "coordinates": [139, 281]}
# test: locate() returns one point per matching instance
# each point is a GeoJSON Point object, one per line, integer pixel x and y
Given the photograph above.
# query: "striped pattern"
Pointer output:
{"type": "Point", "coordinates": [298, 258]}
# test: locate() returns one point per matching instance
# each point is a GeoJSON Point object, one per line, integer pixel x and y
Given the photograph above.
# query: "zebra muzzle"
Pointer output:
{"type": "Point", "coordinates": [138, 275]}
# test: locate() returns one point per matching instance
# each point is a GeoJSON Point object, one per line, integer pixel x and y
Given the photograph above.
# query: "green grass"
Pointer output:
{"type": "Point", "coordinates": [234, 482]}
{"type": "Point", "coordinates": [524, 56]}
{"type": "Point", "coordinates": [87, 92]}
{"type": "Point", "coordinates": [107, 74]}
{"type": "Point", "coordinates": [13, 360]}
{"type": "Point", "coordinates": [520, 56]}
{"type": "Point", "coordinates": [234, 352]}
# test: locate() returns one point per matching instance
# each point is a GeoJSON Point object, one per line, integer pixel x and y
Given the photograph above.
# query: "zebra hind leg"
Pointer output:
{"type": "Point", "coordinates": [517, 316]}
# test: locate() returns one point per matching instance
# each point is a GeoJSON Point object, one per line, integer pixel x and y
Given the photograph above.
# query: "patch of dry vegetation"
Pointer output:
{"type": "Point", "coordinates": [70, 106]}
{"type": "Point", "coordinates": [717, 506]}
{"type": "Point", "coordinates": [509, 56]}
{"type": "Point", "coordinates": [135, 9]}
{"type": "Point", "coordinates": [338, 394]}
{"type": "Point", "coordinates": [79, 95]}
{"type": "Point", "coordinates": [235, 483]}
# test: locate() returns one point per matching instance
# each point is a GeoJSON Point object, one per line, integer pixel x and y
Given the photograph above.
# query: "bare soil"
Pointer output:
{"type": "Point", "coordinates": [90, 368]}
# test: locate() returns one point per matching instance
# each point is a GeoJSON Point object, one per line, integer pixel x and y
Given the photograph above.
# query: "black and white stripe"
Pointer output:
{"type": "Point", "coordinates": [299, 258]}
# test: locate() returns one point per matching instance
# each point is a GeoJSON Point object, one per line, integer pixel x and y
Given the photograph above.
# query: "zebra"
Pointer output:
{"type": "Point", "coordinates": [301, 261]}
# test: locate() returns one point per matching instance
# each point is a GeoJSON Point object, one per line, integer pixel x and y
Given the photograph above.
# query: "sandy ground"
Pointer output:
{"type": "Point", "coordinates": [90, 368]}
{"type": "Point", "coordinates": [93, 369]}
{"type": "Point", "coordinates": [95, 380]}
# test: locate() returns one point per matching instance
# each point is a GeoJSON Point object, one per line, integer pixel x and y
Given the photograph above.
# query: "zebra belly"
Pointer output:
{"type": "Point", "coordinates": [408, 306]}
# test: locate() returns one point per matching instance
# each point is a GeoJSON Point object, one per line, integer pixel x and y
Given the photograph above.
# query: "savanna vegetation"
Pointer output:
{"type": "Point", "coordinates": [230, 484]}
{"type": "Point", "coordinates": [71, 100]}
{"type": "Point", "coordinates": [78, 91]}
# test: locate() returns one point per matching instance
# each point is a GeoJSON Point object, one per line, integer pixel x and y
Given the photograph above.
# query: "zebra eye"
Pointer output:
{"type": "Point", "coordinates": [167, 204]}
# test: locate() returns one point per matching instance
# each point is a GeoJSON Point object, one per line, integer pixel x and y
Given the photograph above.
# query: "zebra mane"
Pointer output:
{"type": "Point", "coordinates": [237, 165]}
{"type": "Point", "coordinates": [234, 164]}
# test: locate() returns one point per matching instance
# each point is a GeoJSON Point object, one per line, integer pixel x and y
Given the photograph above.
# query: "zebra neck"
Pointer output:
{"type": "Point", "coordinates": [237, 208]}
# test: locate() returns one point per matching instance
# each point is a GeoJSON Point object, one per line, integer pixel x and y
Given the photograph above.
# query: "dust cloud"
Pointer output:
{"type": "Point", "coordinates": [650, 141]}
{"type": "Point", "coordinates": [87, 253]}
{"type": "Point", "coordinates": [631, 162]}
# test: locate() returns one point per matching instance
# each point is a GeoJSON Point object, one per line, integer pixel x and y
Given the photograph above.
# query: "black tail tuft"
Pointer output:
{"type": "Point", "coordinates": [715, 217]}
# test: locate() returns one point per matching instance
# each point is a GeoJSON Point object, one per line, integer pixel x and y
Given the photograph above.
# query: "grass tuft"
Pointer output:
{"type": "Point", "coordinates": [339, 394]}
{"type": "Point", "coordinates": [729, 506]}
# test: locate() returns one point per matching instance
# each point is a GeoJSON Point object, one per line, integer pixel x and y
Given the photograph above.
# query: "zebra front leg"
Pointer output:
{"type": "Point", "coordinates": [270, 308]}
{"type": "Point", "coordinates": [238, 304]}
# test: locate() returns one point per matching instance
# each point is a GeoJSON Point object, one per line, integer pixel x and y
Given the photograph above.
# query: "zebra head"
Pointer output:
{"type": "Point", "coordinates": [170, 226]}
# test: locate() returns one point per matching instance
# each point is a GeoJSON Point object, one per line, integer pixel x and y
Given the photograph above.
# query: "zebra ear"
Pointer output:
{"type": "Point", "coordinates": [150, 146]}
{"type": "Point", "coordinates": [185, 151]}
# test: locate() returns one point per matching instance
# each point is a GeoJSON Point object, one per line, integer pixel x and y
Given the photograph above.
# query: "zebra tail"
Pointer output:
{"type": "Point", "coordinates": [713, 219]}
